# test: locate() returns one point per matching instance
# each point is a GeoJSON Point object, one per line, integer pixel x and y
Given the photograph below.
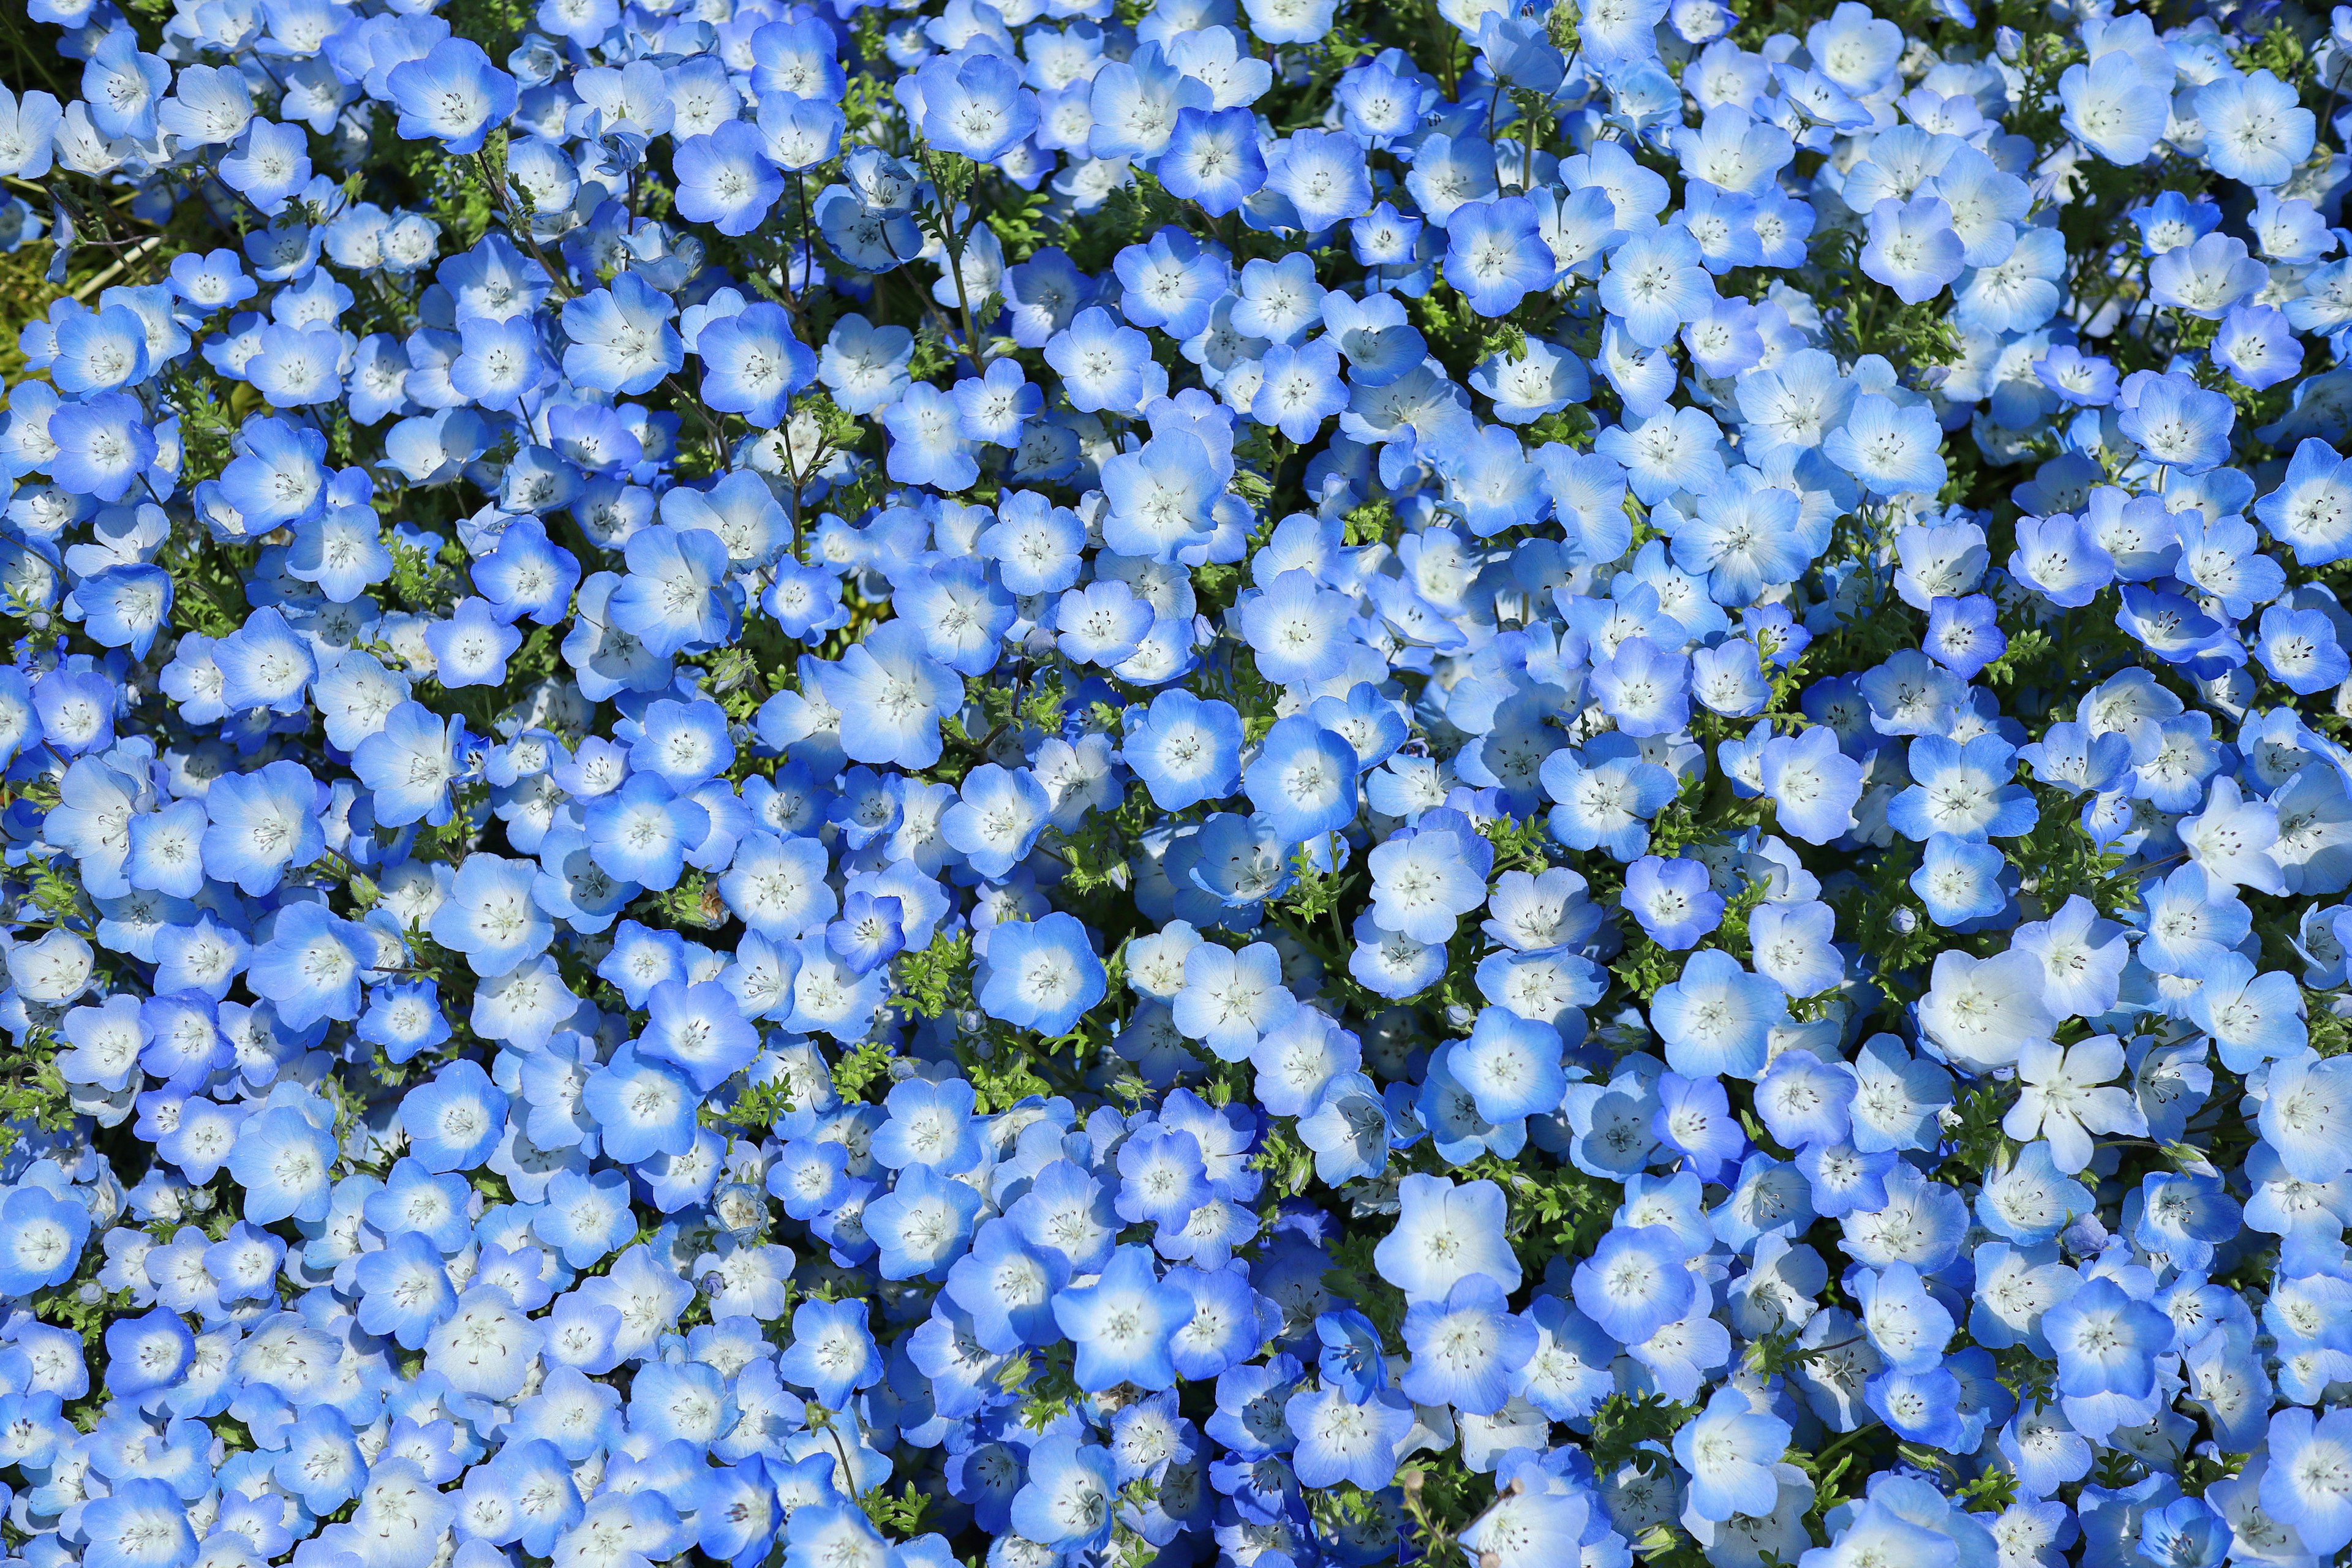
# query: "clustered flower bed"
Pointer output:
{"type": "Point", "coordinates": [879, 786]}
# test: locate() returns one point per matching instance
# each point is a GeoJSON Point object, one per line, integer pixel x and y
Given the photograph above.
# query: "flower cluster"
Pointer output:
{"type": "Point", "coordinates": [1066, 782]}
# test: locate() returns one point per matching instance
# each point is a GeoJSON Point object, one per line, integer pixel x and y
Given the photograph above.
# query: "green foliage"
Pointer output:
{"type": "Point", "coordinates": [897, 1518]}
{"type": "Point", "coordinates": [33, 1092]}
{"type": "Point", "coordinates": [2025, 648]}
{"type": "Point", "coordinates": [861, 1069]}
{"type": "Point", "coordinates": [62, 901]}
{"type": "Point", "coordinates": [1459, 334]}
{"type": "Point", "coordinates": [1354, 1275]}
{"type": "Point", "coordinates": [1438, 1489]}
{"type": "Point", "coordinates": [1004, 1078]}
{"type": "Point", "coordinates": [1097, 854]}
{"type": "Point", "coordinates": [755, 1108]}
{"type": "Point", "coordinates": [1131, 213]}
{"type": "Point", "coordinates": [2026, 1375]}
{"type": "Point", "coordinates": [421, 579]}
{"type": "Point", "coordinates": [1644, 966]}
{"type": "Point", "coordinates": [1015, 221]}
{"type": "Point", "coordinates": [2280, 51]}
{"type": "Point", "coordinates": [1373, 522]}
{"type": "Point", "coordinates": [1978, 1143]}
{"type": "Point", "coordinates": [937, 980]}
{"type": "Point", "coordinates": [447, 842]}
{"type": "Point", "coordinates": [1570, 426]}
{"type": "Point", "coordinates": [1046, 1382]}
{"type": "Point", "coordinates": [208, 418]}
{"type": "Point", "coordinates": [1628, 1428]}
{"type": "Point", "coordinates": [1889, 922]}
{"type": "Point", "coordinates": [2331, 1031]}
{"type": "Point", "coordinates": [1520, 845]}
{"type": "Point", "coordinates": [1550, 1211]}
{"type": "Point", "coordinates": [1315, 893]}
{"type": "Point", "coordinates": [1691, 818]}
{"type": "Point", "coordinates": [696, 902]}
{"type": "Point", "coordinates": [1288, 1164]}
{"type": "Point", "coordinates": [2058, 860]}
{"type": "Point", "coordinates": [497, 25]}
{"type": "Point", "coordinates": [2203, 1467]}
{"type": "Point", "coordinates": [1989, 1493]}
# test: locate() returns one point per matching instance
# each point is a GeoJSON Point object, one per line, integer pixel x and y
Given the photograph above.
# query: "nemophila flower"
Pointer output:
{"type": "Point", "coordinates": [1161, 497]}
{"type": "Point", "coordinates": [2257, 347]}
{"type": "Point", "coordinates": [283, 1161]}
{"type": "Point", "coordinates": [752, 363]}
{"type": "Point", "coordinates": [928, 446]}
{"type": "Point", "coordinates": [1442, 1236]}
{"type": "Point", "coordinates": [1644, 686]}
{"type": "Point", "coordinates": [1729, 1451]}
{"type": "Point", "coordinates": [995, 406]}
{"type": "Point", "coordinates": [890, 694]}
{"type": "Point", "coordinates": [2104, 1341]}
{"type": "Point", "coordinates": [1890, 448]}
{"type": "Point", "coordinates": [2311, 510]}
{"type": "Point", "coordinates": [103, 446]}
{"type": "Point", "coordinates": [1494, 255]}
{"type": "Point", "coordinates": [1229, 1000]}
{"type": "Point", "coordinates": [1813, 785]}
{"type": "Point", "coordinates": [1960, 880]}
{"type": "Point", "coordinates": [1912, 247]}
{"type": "Point", "coordinates": [1121, 1324]}
{"type": "Point", "coordinates": [453, 1120]}
{"type": "Point", "coordinates": [1067, 1500]}
{"type": "Point", "coordinates": [2252, 1018]}
{"type": "Point", "coordinates": [2255, 131]}
{"type": "Point", "coordinates": [99, 351]}
{"type": "Point", "coordinates": [894, 876]}
{"type": "Point", "coordinates": [1635, 1282]}
{"type": "Point", "coordinates": [1213, 157]}
{"type": "Point", "coordinates": [452, 94]}
{"type": "Point", "coordinates": [1322, 175]}
{"type": "Point", "coordinates": [1184, 750]}
{"type": "Point", "coordinates": [1511, 1066]}
{"type": "Point", "coordinates": [1303, 780]}
{"type": "Point", "coordinates": [1655, 283]}
{"type": "Point", "coordinates": [1467, 1349]}
{"type": "Point", "coordinates": [2303, 1118]}
{"type": "Point", "coordinates": [1042, 975]}
{"type": "Point", "coordinates": [1671, 900]}
{"type": "Point", "coordinates": [41, 1239]}
{"type": "Point", "coordinates": [621, 337]}
{"type": "Point", "coordinates": [1300, 388]}
{"type": "Point", "coordinates": [2177, 423]}
{"type": "Point", "coordinates": [2110, 107]}
{"type": "Point", "coordinates": [725, 178]}
{"type": "Point", "coordinates": [1424, 884]}
{"type": "Point", "coordinates": [1716, 1017]}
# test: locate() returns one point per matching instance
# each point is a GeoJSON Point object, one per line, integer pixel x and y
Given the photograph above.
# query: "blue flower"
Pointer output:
{"type": "Point", "coordinates": [1213, 157]}
{"type": "Point", "coordinates": [1467, 1350]}
{"type": "Point", "coordinates": [725, 179]}
{"type": "Point", "coordinates": [975, 105]}
{"type": "Point", "coordinates": [1121, 1324]}
{"type": "Point", "coordinates": [408, 765]}
{"type": "Point", "coordinates": [1322, 175]}
{"type": "Point", "coordinates": [284, 1161]}
{"type": "Point", "coordinates": [142, 1524]}
{"type": "Point", "coordinates": [641, 1107]}
{"type": "Point", "coordinates": [2175, 421]}
{"type": "Point", "coordinates": [1042, 975]}
{"type": "Point", "coordinates": [453, 1120]}
{"type": "Point", "coordinates": [452, 94]}
{"type": "Point", "coordinates": [1889, 447]}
